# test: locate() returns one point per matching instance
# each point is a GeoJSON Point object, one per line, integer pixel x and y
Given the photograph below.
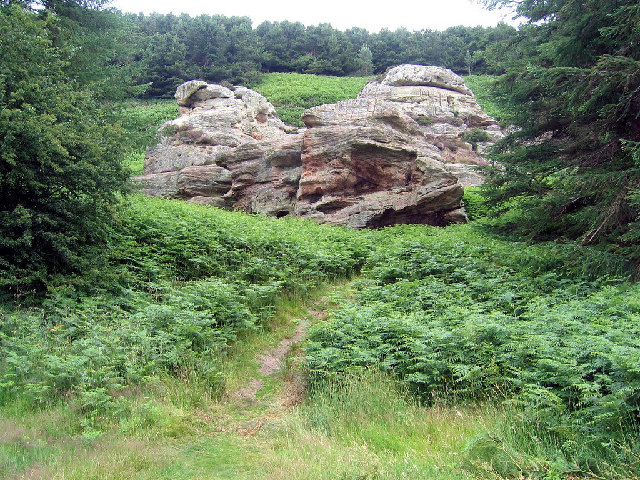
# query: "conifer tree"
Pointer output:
{"type": "Point", "coordinates": [572, 86]}
{"type": "Point", "coordinates": [468, 61]}
{"type": "Point", "coordinates": [365, 60]}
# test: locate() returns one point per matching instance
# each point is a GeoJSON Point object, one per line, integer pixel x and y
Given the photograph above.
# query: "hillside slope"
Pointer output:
{"type": "Point", "coordinates": [431, 353]}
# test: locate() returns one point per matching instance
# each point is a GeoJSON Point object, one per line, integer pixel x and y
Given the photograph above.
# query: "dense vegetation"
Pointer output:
{"type": "Point", "coordinates": [128, 319]}
{"type": "Point", "coordinates": [155, 53]}
{"type": "Point", "coordinates": [459, 314]}
{"type": "Point", "coordinates": [454, 313]}
{"type": "Point", "coordinates": [293, 93]}
{"type": "Point", "coordinates": [57, 184]}
{"type": "Point", "coordinates": [572, 87]}
{"type": "Point", "coordinates": [179, 285]}
{"type": "Point", "coordinates": [173, 49]}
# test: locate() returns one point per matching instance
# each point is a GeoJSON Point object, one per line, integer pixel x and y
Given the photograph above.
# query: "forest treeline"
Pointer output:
{"type": "Point", "coordinates": [176, 48]}
{"type": "Point", "coordinates": [150, 55]}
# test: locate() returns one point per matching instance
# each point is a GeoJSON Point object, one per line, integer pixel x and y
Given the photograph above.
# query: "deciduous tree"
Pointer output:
{"type": "Point", "coordinates": [60, 170]}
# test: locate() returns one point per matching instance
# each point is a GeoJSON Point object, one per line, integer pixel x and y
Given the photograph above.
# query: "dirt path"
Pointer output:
{"type": "Point", "coordinates": [272, 361]}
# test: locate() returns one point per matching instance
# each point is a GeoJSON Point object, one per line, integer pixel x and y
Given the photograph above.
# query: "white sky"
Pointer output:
{"type": "Point", "coordinates": [341, 14]}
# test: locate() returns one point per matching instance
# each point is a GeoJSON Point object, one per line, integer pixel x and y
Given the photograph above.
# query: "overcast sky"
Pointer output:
{"type": "Point", "coordinates": [341, 14]}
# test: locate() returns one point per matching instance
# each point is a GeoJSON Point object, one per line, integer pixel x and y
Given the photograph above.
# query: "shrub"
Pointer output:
{"type": "Point", "coordinates": [475, 136]}
{"type": "Point", "coordinates": [475, 204]}
{"type": "Point", "coordinates": [425, 120]}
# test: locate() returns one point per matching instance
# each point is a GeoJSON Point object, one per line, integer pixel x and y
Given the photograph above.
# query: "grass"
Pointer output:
{"type": "Point", "coordinates": [129, 371]}
{"type": "Point", "coordinates": [481, 86]}
{"type": "Point", "coordinates": [293, 93]}
{"type": "Point", "coordinates": [141, 120]}
{"type": "Point", "coordinates": [394, 437]}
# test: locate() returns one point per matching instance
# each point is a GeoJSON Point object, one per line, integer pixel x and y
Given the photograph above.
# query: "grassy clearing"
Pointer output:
{"type": "Point", "coordinates": [141, 121]}
{"type": "Point", "coordinates": [373, 422]}
{"type": "Point", "coordinates": [293, 93]}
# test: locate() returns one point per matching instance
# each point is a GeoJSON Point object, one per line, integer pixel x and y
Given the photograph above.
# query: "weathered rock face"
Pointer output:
{"type": "Point", "coordinates": [393, 155]}
{"type": "Point", "coordinates": [431, 102]}
{"type": "Point", "coordinates": [419, 75]}
{"type": "Point", "coordinates": [373, 176]}
{"type": "Point", "coordinates": [213, 121]}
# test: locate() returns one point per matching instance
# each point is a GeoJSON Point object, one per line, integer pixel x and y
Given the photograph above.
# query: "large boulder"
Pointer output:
{"type": "Point", "coordinates": [213, 120]}
{"type": "Point", "coordinates": [374, 176]}
{"type": "Point", "coordinates": [396, 154]}
{"type": "Point", "coordinates": [265, 175]}
{"type": "Point", "coordinates": [433, 101]}
{"type": "Point", "coordinates": [420, 75]}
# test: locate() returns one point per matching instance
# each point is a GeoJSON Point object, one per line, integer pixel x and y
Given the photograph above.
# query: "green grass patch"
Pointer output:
{"type": "Point", "coordinates": [293, 93]}
{"type": "Point", "coordinates": [141, 120]}
{"type": "Point", "coordinates": [481, 86]}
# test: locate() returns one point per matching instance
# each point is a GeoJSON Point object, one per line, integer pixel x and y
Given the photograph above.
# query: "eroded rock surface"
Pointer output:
{"type": "Point", "coordinates": [428, 102]}
{"type": "Point", "coordinates": [395, 154]}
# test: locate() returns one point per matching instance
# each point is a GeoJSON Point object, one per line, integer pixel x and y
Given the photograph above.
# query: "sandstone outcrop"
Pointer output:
{"type": "Point", "coordinates": [431, 102]}
{"type": "Point", "coordinates": [396, 154]}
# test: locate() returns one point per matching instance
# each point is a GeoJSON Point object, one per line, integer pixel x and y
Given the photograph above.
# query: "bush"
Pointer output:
{"type": "Point", "coordinates": [475, 204]}
{"type": "Point", "coordinates": [475, 136]}
{"type": "Point", "coordinates": [425, 120]}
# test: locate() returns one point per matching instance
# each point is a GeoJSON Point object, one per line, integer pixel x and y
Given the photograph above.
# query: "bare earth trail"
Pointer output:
{"type": "Point", "coordinates": [279, 382]}
{"type": "Point", "coordinates": [272, 362]}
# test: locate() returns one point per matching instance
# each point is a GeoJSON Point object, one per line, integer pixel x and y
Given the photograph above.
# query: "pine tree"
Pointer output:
{"type": "Point", "coordinates": [365, 61]}
{"type": "Point", "coordinates": [573, 89]}
{"type": "Point", "coordinates": [468, 61]}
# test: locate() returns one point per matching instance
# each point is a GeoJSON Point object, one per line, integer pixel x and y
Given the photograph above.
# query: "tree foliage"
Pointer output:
{"type": "Point", "coordinates": [174, 49]}
{"type": "Point", "coordinates": [59, 158]}
{"type": "Point", "coordinates": [365, 60]}
{"type": "Point", "coordinates": [572, 86]}
{"type": "Point", "coordinates": [123, 52]}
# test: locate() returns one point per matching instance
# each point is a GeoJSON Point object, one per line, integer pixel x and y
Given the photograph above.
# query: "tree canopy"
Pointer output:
{"type": "Point", "coordinates": [174, 48]}
{"type": "Point", "coordinates": [60, 168]}
{"type": "Point", "coordinates": [572, 87]}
